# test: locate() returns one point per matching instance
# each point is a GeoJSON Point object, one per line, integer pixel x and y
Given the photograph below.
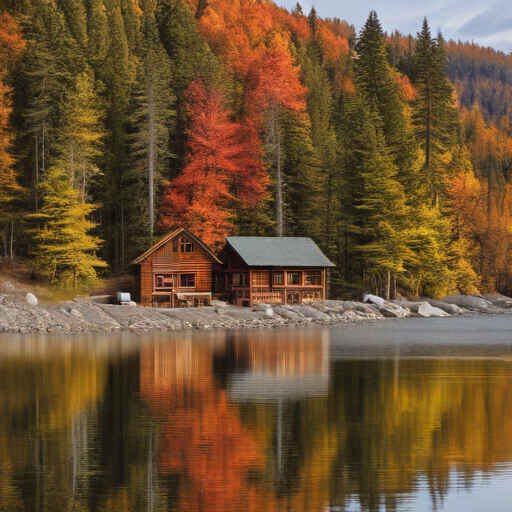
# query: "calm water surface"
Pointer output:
{"type": "Point", "coordinates": [410, 415]}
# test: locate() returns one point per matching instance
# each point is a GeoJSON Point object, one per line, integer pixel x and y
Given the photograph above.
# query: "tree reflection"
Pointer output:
{"type": "Point", "coordinates": [244, 421]}
{"type": "Point", "coordinates": [201, 436]}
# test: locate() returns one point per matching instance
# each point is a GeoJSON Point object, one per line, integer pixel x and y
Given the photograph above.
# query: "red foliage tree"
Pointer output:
{"type": "Point", "coordinates": [223, 172]}
{"type": "Point", "coordinates": [11, 48]}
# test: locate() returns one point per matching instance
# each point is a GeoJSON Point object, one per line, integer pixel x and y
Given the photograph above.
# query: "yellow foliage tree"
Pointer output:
{"type": "Point", "coordinates": [65, 250]}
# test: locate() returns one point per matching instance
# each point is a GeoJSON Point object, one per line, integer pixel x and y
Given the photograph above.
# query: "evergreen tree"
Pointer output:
{"type": "Point", "coordinates": [118, 73]}
{"type": "Point", "coordinates": [374, 221]}
{"type": "Point", "coordinates": [435, 116]}
{"type": "Point", "coordinates": [76, 19]}
{"type": "Point", "coordinates": [191, 58]}
{"type": "Point", "coordinates": [153, 118]}
{"type": "Point", "coordinates": [98, 39]}
{"type": "Point", "coordinates": [377, 82]}
{"type": "Point", "coordinates": [324, 172]}
{"type": "Point", "coordinates": [65, 251]}
{"type": "Point", "coordinates": [45, 73]}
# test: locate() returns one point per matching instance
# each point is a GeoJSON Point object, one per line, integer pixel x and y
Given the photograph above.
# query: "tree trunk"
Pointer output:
{"type": "Point", "coordinates": [279, 183]}
{"type": "Point", "coordinates": [12, 239]}
{"type": "Point", "coordinates": [151, 157]}
{"type": "Point", "coordinates": [388, 286]}
{"type": "Point", "coordinates": [122, 233]}
{"type": "Point", "coordinates": [37, 172]}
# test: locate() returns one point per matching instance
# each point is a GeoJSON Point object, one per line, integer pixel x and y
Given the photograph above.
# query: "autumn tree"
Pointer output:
{"type": "Point", "coordinates": [11, 48]}
{"type": "Point", "coordinates": [274, 86]}
{"type": "Point", "coordinates": [224, 170]}
{"type": "Point", "coordinates": [65, 250]}
{"type": "Point", "coordinates": [79, 140]}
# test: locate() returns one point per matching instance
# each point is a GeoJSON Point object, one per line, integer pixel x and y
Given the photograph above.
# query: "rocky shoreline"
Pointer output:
{"type": "Point", "coordinates": [21, 313]}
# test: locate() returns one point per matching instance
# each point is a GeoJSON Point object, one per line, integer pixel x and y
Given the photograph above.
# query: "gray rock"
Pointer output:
{"type": "Point", "coordinates": [391, 312]}
{"type": "Point", "coordinates": [378, 301]}
{"type": "Point", "coordinates": [499, 300]}
{"type": "Point", "coordinates": [468, 301]}
{"type": "Point", "coordinates": [31, 299]}
{"type": "Point", "coordinates": [425, 309]}
{"type": "Point", "coordinates": [452, 309]}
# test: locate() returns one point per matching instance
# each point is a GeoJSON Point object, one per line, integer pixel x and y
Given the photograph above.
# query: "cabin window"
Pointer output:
{"type": "Point", "coordinates": [278, 279]}
{"type": "Point", "coordinates": [175, 245]}
{"type": "Point", "coordinates": [164, 281]}
{"type": "Point", "coordinates": [240, 280]}
{"type": "Point", "coordinates": [162, 301]}
{"type": "Point", "coordinates": [293, 298]}
{"type": "Point", "coordinates": [186, 245]}
{"type": "Point", "coordinates": [260, 278]}
{"type": "Point", "coordinates": [313, 278]}
{"type": "Point", "coordinates": [187, 280]}
{"type": "Point", "coordinates": [294, 278]}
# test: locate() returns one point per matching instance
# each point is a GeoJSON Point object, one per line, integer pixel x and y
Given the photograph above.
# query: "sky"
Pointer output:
{"type": "Point", "coordinates": [486, 22]}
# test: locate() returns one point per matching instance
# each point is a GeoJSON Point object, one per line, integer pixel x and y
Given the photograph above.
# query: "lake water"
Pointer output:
{"type": "Point", "coordinates": [410, 415]}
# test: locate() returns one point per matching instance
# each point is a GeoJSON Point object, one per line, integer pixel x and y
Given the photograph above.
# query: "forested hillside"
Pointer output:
{"type": "Point", "coordinates": [123, 119]}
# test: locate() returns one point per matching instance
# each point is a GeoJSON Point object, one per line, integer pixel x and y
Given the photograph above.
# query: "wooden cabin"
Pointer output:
{"type": "Point", "coordinates": [277, 270]}
{"type": "Point", "coordinates": [176, 272]}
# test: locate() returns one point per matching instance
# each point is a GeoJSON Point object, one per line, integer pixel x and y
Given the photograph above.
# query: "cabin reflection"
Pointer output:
{"type": "Point", "coordinates": [290, 366]}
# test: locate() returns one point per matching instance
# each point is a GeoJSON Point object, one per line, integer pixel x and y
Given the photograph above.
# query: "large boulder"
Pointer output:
{"type": "Point", "coordinates": [362, 308]}
{"type": "Point", "coordinates": [393, 311]}
{"type": "Point", "coordinates": [499, 300]}
{"type": "Point", "coordinates": [374, 299]}
{"type": "Point", "coordinates": [468, 301]}
{"type": "Point", "coordinates": [452, 309]}
{"type": "Point", "coordinates": [424, 309]}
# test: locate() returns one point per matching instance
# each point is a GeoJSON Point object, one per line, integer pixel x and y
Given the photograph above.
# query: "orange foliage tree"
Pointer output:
{"type": "Point", "coordinates": [274, 86]}
{"type": "Point", "coordinates": [224, 170]}
{"type": "Point", "coordinates": [11, 48]}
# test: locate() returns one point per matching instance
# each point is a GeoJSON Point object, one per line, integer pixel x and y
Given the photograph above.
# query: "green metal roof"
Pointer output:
{"type": "Point", "coordinates": [278, 251]}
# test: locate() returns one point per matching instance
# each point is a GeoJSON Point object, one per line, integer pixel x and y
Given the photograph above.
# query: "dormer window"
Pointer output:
{"type": "Point", "coordinates": [186, 245]}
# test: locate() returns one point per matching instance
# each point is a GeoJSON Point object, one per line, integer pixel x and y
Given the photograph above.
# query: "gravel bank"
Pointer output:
{"type": "Point", "coordinates": [20, 312]}
{"type": "Point", "coordinates": [83, 316]}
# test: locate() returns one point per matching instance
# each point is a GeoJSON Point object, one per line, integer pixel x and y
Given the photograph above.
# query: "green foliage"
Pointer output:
{"type": "Point", "coordinates": [435, 117]}
{"type": "Point", "coordinates": [65, 251]}
{"type": "Point", "coordinates": [378, 84]}
{"type": "Point", "coordinates": [153, 120]}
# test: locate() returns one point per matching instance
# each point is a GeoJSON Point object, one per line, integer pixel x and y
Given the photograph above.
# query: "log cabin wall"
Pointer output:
{"type": "Point", "coordinates": [247, 285]}
{"type": "Point", "coordinates": [261, 286]}
{"type": "Point", "coordinates": [171, 261]}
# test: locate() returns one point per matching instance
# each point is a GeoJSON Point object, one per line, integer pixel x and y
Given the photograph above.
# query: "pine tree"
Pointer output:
{"type": "Point", "coordinates": [98, 39]}
{"type": "Point", "coordinates": [76, 19]}
{"type": "Point", "coordinates": [325, 172]}
{"type": "Point", "coordinates": [435, 116]}
{"type": "Point", "coordinates": [378, 84]}
{"type": "Point", "coordinates": [153, 117]}
{"type": "Point", "coordinates": [118, 73]}
{"type": "Point", "coordinates": [65, 251]}
{"type": "Point", "coordinates": [373, 224]}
